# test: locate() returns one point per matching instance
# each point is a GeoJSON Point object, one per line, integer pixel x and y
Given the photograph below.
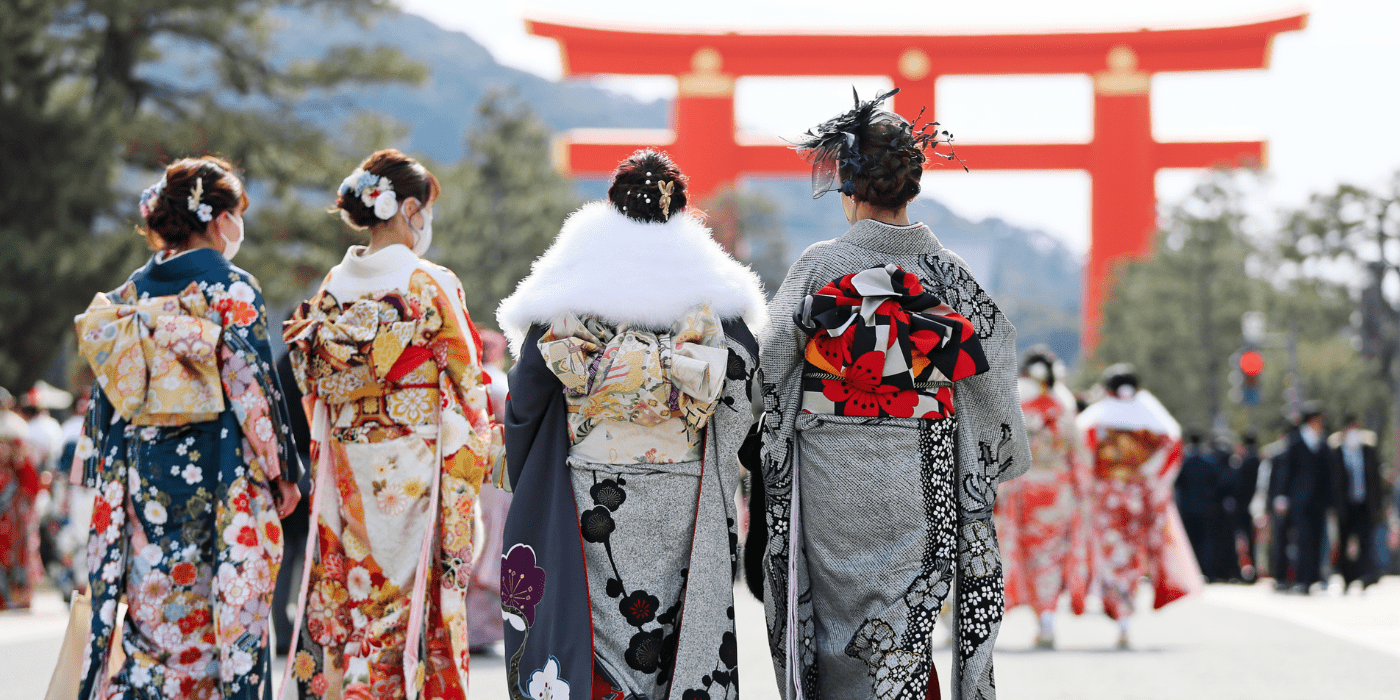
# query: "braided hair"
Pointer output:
{"type": "Point", "coordinates": [648, 187]}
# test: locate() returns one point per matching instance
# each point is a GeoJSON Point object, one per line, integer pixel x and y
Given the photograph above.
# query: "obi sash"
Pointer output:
{"type": "Point", "coordinates": [156, 359]}
{"type": "Point", "coordinates": [882, 346]}
{"type": "Point", "coordinates": [650, 391]}
{"type": "Point", "coordinates": [343, 353]}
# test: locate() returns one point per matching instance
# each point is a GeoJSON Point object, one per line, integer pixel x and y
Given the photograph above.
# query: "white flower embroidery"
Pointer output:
{"type": "Point", "coordinates": [192, 474]}
{"type": "Point", "coordinates": [545, 684]}
{"type": "Point", "coordinates": [357, 582]}
{"type": "Point", "coordinates": [392, 499]}
{"type": "Point", "coordinates": [241, 291]}
{"type": "Point", "coordinates": [154, 512]}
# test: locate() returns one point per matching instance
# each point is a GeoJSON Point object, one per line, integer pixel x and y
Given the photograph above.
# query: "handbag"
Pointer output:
{"type": "Point", "coordinates": [68, 672]}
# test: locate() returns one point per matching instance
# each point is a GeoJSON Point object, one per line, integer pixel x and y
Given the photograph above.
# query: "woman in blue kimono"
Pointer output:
{"type": "Point", "coordinates": [187, 445]}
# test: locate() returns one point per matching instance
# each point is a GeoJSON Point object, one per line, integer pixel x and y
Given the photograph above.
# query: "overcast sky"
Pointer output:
{"type": "Point", "coordinates": [1328, 104]}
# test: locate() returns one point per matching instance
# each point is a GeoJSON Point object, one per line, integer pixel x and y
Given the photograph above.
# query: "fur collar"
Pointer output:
{"type": "Point", "coordinates": [624, 271]}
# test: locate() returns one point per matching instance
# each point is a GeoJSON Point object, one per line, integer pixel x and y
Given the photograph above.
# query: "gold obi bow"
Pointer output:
{"type": "Point", "coordinates": [156, 358]}
{"type": "Point", "coordinates": [637, 376]}
{"type": "Point", "coordinates": [355, 351]}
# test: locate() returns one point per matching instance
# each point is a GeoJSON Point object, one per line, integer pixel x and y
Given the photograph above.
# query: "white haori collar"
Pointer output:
{"type": "Point", "coordinates": [607, 265]}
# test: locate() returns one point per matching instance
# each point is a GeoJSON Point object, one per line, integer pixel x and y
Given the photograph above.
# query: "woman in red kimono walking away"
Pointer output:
{"type": "Point", "coordinates": [1039, 516]}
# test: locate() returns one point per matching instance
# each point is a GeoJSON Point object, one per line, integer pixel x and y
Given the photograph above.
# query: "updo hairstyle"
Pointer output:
{"type": "Point", "coordinates": [407, 176]}
{"type": "Point", "coordinates": [894, 163]}
{"type": "Point", "coordinates": [1118, 376]}
{"type": "Point", "coordinates": [636, 189]}
{"type": "Point", "coordinates": [170, 221]}
{"type": "Point", "coordinates": [1039, 363]}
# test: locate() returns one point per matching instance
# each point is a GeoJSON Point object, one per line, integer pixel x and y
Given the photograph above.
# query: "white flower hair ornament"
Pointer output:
{"type": "Point", "coordinates": [149, 195]}
{"type": "Point", "coordinates": [376, 192]}
{"type": "Point", "coordinates": [200, 209]}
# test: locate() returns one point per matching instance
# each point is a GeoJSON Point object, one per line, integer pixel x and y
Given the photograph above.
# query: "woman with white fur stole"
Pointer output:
{"type": "Point", "coordinates": [635, 354]}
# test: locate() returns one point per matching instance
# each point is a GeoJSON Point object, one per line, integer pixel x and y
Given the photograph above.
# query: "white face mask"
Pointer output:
{"type": "Point", "coordinates": [422, 237]}
{"type": "Point", "coordinates": [231, 247]}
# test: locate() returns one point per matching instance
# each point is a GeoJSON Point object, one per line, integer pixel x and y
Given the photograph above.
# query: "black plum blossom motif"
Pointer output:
{"type": "Point", "coordinates": [644, 651]}
{"type": "Point", "coordinates": [695, 694]}
{"type": "Point", "coordinates": [597, 524]}
{"type": "Point", "coordinates": [639, 608]}
{"type": "Point", "coordinates": [609, 494]}
{"type": "Point", "coordinates": [522, 585]}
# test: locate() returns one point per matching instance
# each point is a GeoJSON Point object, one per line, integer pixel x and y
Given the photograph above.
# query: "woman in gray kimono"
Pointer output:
{"type": "Point", "coordinates": [629, 399]}
{"type": "Point", "coordinates": [891, 415]}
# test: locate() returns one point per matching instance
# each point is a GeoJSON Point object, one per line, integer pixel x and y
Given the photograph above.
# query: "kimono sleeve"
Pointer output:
{"type": "Point", "coordinates": [247, 334]}
{"type": "Point", "coordinates": [535, 392]}
{"type": "Point", "coordinates": [468, 439]}
{"type": "Point", "coordinates": [93, 447]}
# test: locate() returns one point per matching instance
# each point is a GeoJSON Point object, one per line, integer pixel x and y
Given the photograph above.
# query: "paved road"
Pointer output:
{"type": "Point", "coordinates": [1233, 643]}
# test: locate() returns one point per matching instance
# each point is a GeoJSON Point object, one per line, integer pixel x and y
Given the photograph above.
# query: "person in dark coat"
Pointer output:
{"type": "Point", "coordinates": [1303, 495]}
{"type": "Point", "coordinates": [1198, 497]}
{"type": "Point", "coordinates": [1240, 482]}
{"type": "Point", "coordinates": [1357, 499]}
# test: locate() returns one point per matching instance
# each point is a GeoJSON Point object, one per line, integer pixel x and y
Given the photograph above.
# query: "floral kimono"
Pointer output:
{"type": "Point", "coordinates": [627, 408]}
{"type": "Point", "coordinates": [19, 484]}
{"type": "Point", "coordinates": [889, 389]}
{"type": "Point", "coordinates": [401, 438]}
{"type": "Point", "coordinates": [1040, 516]}
{"type": "Point", "coordinates": [1135, 447]}
{"type": "Point", "coordinates": [185, 438]}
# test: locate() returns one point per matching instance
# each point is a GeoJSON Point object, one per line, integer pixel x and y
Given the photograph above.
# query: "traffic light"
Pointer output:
{"type": "Point", "coordinates": [1251, 365]}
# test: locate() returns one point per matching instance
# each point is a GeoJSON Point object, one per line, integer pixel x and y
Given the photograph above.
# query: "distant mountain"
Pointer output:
{"type": "Point", "coordinates": [439, 112]}
{"type": "Point", "coordinates": [1034, 278]}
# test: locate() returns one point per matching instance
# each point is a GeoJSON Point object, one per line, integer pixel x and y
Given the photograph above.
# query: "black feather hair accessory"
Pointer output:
{"type": "Point", "coordinates": [834, 146]}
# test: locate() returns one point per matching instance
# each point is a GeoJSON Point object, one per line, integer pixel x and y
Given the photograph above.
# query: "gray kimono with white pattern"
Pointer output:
{"type": "Point", "coordinates": [889, 508]}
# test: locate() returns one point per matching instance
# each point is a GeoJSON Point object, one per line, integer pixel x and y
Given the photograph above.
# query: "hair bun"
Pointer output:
{"type": "Point", "coordinates": [648, 187]}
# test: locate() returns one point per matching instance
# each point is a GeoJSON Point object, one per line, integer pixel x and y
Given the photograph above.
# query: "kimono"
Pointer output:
{"type": "Point", "coordinates": [19, 485]}
{"type": "Point", "coordinates": [484, 623]}
{"type": "Point", "coordinates": [1136, 531]}
{"type": "Point", "coordinates": [184, 440]}
{"type": "Point", "coordinates": [1040, 516]}
{"type": "Point", "coordinates": [387, 360]}
{"type": "Point", "coordinates": [629, 400]}
{"type": "Point", "coordinates": [852, 599]}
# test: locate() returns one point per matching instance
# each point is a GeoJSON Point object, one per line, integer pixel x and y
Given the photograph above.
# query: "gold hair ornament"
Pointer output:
{"type": "Point", "coordinates": [667, 189]}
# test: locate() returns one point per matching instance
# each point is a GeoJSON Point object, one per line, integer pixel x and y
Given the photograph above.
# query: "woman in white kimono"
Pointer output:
{"type": "Point", "coordinates": [388, 362]}
{"type": "Point", "coordinates": [889, 389]}
{"type": "Point", "coordinates": [629, 399]}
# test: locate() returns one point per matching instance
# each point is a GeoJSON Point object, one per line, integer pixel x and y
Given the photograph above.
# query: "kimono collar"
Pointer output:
{"type": "Point", "coordinates": [381, 262]}
{"type": "Point", "coordinates": [888, 238]}
{"type": "Point", "coordinates": [195, 263]}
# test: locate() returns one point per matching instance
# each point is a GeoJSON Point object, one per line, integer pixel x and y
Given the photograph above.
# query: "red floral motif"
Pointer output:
{"type": "Point", "coordinates": [241, 503]}
{"type": "Point", "coordinates": [183, 574]}
{"type": "Point", "coordinates": [192, 622]}
{"type": "Point", "coordinates": [191, 654]}
{"type": "Point", "coordinates": [318, 684]}
{"type": "Point", "coordinates": [101, 514]}
{"type": "Point", "coordinates": [247, 536]}
{"type": "Point", "coordinates": [865, 395]}
{"type": "Point", "coordinates": [236, 313]}
{"type": "Point", "coordinates": [273, 530]}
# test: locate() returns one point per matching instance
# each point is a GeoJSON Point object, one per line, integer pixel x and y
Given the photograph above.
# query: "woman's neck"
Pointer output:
{"type": "Point", "coordinates": [893, 217]}
{"type": "Point", "coordinates": [387, 234]}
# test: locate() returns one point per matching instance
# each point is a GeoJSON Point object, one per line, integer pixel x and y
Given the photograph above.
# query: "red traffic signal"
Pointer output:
{"type": "Point", "coordinates": [1251, 363]}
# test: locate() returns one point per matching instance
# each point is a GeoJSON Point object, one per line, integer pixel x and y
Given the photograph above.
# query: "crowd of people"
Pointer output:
{"type": "Point", "coordinates": [377, 502]}
{"type": "Point", "coordinates": [1295, 509]}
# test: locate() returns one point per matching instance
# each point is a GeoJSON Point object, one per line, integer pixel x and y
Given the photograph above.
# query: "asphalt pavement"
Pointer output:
{"type": "Point", "coordinates": [1232, 643]}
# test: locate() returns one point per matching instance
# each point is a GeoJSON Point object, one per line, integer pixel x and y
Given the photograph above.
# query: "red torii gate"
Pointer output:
{"type": "Point", "coordinates": [1122, 159]}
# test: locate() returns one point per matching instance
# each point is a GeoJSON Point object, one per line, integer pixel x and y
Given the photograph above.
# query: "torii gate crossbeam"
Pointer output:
{"type": "Point", "coordinates": [1122, 159]}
